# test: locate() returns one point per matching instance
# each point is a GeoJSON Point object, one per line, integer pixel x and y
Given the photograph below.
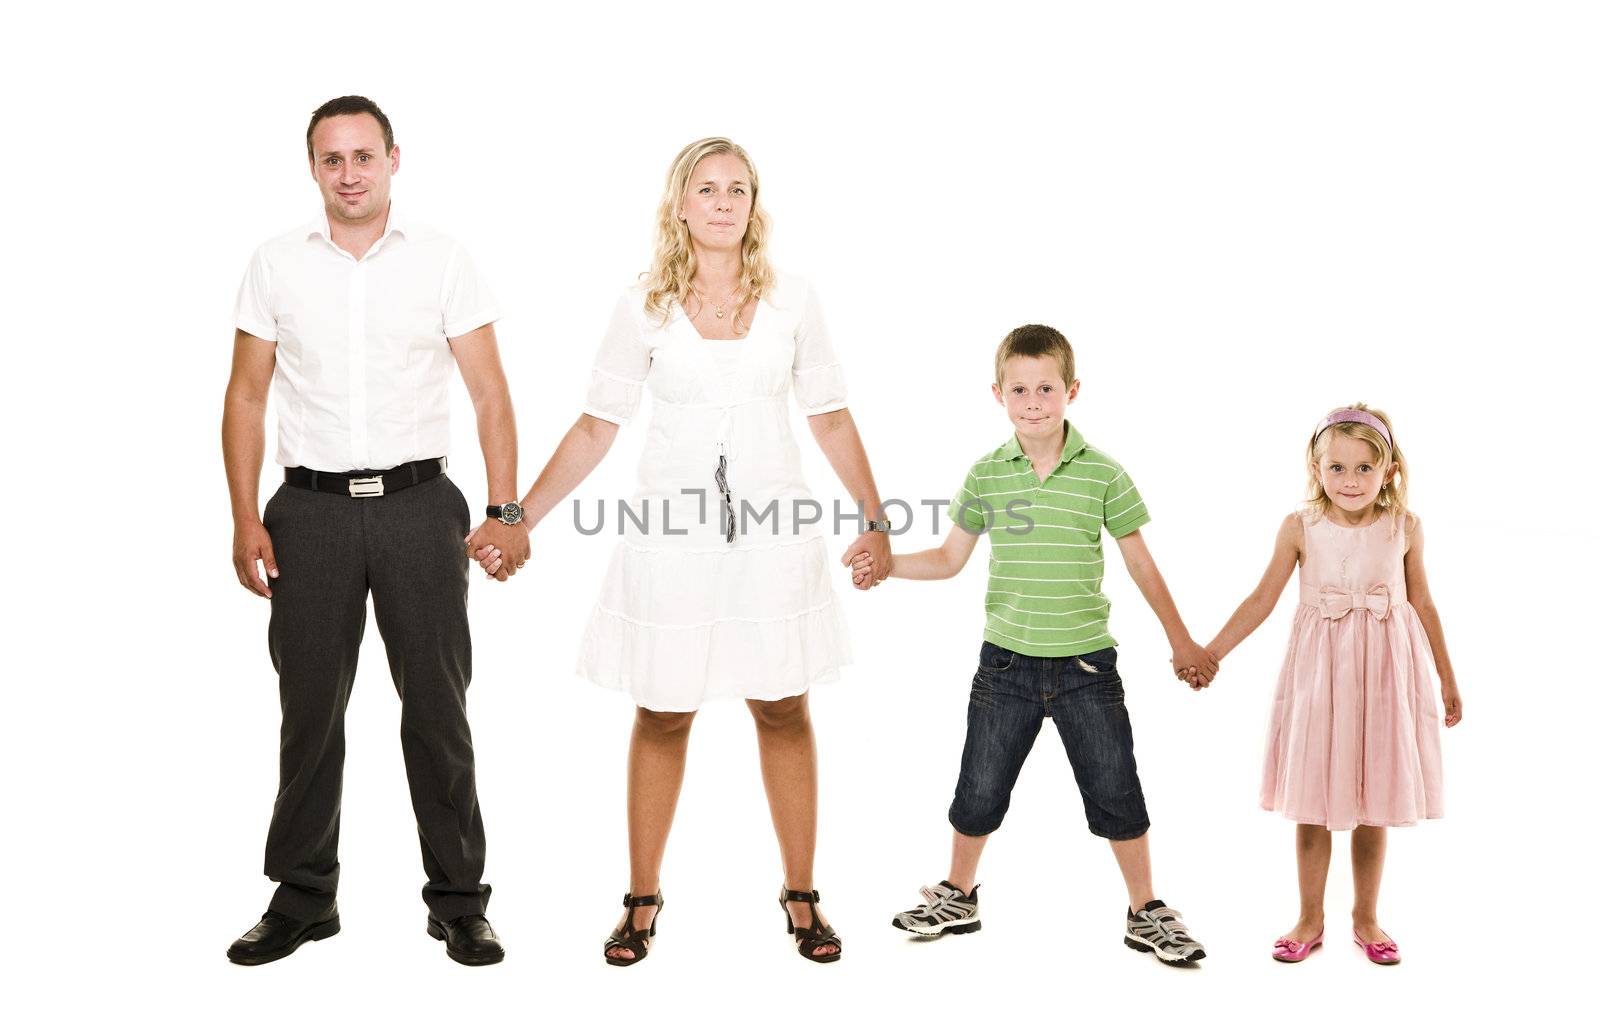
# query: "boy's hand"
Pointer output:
{"type": "Point", "coordinates": [1191, 674]}
{"type": "Point", "coordinates": [1452, 703]}
{"type": "Point", "coordinates": [1194, 664]}
{"type": "Point", "coordinates": [866, 571]}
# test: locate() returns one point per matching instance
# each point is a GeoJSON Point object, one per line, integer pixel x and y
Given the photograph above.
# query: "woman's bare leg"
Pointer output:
{"type": "Point", "coordinates": [789, 770]}
{"type": "Point", "coordinates": [656, 758]}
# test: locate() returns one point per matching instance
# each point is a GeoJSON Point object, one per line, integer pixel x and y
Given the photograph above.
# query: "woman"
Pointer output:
{"type": "Point", "coordinates": [726, 591]}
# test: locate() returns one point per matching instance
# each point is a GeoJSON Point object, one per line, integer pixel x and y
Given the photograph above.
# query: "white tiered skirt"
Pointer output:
{"type": "Point", "coordinates": [677, 626]}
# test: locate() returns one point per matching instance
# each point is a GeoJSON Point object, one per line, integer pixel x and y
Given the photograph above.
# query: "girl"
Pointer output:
{"type": "Point", "coordinates": [1353, 742]}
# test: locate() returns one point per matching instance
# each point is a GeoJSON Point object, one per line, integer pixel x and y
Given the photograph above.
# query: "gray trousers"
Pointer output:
{"type": "Point", "coordinates": [406, 549]}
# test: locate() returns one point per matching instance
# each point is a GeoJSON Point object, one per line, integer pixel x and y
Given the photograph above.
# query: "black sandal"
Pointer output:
{"type": "Point", "coordinates": [810, 938]}
{"type": "Point", "coordinates": [634, 940]}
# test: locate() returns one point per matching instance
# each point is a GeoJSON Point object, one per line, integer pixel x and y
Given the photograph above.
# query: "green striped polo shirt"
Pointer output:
{"type": "Point", "coordinates": [1045, 562]}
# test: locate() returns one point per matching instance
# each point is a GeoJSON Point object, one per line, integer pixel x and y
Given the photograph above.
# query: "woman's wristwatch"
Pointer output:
{"type": "Point", "coordinates": [878, 526]}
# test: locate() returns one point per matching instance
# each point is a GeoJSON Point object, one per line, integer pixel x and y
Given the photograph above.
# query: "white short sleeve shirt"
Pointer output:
{"type": "Point", "coordinates": [625, 359]}
{"type": "Point", "coordinates": [362, 376]}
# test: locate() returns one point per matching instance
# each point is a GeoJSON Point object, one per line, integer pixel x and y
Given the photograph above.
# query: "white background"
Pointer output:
{"type": "Point", "coordinates": [1241, 214]}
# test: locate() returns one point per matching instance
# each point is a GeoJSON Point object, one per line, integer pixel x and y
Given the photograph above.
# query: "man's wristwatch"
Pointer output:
{"type": "Point", "coordinates": [510, 513]}
{"type": "Point", "coordinates": [878, 526]}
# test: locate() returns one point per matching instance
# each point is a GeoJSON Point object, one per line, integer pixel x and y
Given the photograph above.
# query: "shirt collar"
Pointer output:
{"type": "Point", "coordinates": [319, 228]}
{"type": "Point", "coordinates": [1012, 449]}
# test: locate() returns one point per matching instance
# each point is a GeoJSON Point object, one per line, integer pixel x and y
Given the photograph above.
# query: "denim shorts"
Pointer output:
{"type": "Point", "coordinates": [1012, 695]}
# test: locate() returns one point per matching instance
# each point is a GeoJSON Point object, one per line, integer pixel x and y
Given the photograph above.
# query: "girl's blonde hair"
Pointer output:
{"type": "Point", "coordinates": [1392, 495]}
{"type": "Point", "coordinates": [673, 266]}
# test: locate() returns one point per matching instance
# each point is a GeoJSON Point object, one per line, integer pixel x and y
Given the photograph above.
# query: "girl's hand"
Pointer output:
{"type": "Point", "coordinates": [1452, 704]}
{"type": "Point", "coordinates": [1194, 664]}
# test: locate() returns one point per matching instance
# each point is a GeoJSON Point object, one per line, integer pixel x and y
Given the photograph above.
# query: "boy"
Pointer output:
{"type": "Point", "coordinates": [1043, 497]}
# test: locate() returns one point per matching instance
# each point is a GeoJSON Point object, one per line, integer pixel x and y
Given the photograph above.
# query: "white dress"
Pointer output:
{"type": "Point", "coordinates": [684, 615]}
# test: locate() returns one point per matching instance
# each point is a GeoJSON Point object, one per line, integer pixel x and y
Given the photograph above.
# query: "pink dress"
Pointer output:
{"type": "Point", "coordinates": [1354, 734]}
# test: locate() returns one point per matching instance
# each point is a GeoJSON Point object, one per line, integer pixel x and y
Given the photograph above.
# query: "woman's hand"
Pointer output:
{"type": "Point", "coordinates": [869, 560]}
{"type": "Point", "coordinates": [861, 573]}
{"type": "Point", "coordinates": [492, 561]}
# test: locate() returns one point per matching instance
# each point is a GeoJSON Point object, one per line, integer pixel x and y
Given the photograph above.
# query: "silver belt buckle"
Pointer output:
{"type": "Point", "coordinates": [366, 487]}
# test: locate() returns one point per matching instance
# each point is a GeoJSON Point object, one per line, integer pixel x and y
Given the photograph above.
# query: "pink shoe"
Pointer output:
{"type": "Point", "coordinates": [1385, 953]}
{"type": "Point", "coordinates": [1288, 951]}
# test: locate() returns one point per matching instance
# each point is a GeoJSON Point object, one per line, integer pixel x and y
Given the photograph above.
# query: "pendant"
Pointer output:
{"type": "Point", "coordinates": [718, 311]}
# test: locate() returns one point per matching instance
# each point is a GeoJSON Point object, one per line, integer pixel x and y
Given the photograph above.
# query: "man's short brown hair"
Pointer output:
{"type": "Point", "coordinates": [342, 105]}
{"type": "Point", "coordinates": [1039, 341]}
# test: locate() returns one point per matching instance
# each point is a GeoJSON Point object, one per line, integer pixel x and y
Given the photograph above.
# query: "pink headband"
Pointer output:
{"type": "Point", "coordinates": [1354, 416]}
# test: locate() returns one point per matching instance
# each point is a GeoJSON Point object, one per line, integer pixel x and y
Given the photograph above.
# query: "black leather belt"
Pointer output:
{"type": "Point", "coordinates": [365, 483]}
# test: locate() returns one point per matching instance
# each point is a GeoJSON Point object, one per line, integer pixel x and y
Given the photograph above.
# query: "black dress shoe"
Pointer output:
{"type": "Point", "coordinates": [469, 939]}
{"type": "Point", "coordinates": [276, 936]}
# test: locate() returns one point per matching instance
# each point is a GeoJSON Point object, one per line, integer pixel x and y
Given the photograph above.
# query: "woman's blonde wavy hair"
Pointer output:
{"type": "Point", "coordinates": [673, 266]}
{"type": "Point", "coordinates": [1392, 495]}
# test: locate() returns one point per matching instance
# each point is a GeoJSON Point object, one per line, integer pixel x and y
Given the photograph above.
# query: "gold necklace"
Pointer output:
{"type": "Point", "coordinates": [719, 309]}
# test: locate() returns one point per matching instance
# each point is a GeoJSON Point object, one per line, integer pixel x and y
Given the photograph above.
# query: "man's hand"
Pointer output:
{"type": "Point", "coordinates": [499, 549]}
{"type": "Point", "coordinates": [250, 545]}
{"type": "Point", "coordinates": [1194, 664]}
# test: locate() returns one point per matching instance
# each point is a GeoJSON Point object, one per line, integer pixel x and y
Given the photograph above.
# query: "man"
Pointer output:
{"type": "Point", "coordinates": [356, 319]}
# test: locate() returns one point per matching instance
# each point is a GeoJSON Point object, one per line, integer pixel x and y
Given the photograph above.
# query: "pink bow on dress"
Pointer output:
{"type": "Point", "coordinates": [1336, 603]}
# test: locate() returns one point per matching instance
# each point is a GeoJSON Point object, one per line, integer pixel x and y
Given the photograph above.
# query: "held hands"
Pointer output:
{"type": "Point", "coordinates": [499, 550]}
{"type": "Point", "coordinates": [1194, 664]}
{"type": "Point", "coordinates": [250, 545]}
{"type": "Point", "coordinates": [868, 560]}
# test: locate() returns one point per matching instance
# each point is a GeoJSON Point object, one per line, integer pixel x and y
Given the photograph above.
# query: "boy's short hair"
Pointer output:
{"type": "Point", "coordinates": [1039, 341]}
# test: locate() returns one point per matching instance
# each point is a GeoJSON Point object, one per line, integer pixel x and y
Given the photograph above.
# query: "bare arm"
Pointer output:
{"type": "Point", "coordinates": [1255, 608]}
{"type": "Point", "coordinates": [1421, 599]}
{"type": "Point", "coordinates": [938, 563]}
{"type": "Point", "coordinates": [573, 460]}
{"type": "Point", "coordinates": [580, 451]}
{"type": "Point", "coordinates": [478, 357]}
{"type": "Point", "coordinates": [244, 440]}
{"type": "Point", "coordinates": [837, 437]}
{"type": "Point", "coordinates": [1186, 654]}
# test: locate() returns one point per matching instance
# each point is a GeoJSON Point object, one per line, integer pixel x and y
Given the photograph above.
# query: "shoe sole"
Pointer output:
{"type": "Point", "coordinates": [1139, 945]}
{"type": "Point", "coordinates": [963, 927]}
{"type": "Point", "coordinates": [462, 958]}
{"type": "Point", "coordinates": [316, 934]}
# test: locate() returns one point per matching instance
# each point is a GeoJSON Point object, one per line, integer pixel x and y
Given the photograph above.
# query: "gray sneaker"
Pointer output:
{"type": "Point", "coordinates": [947, 909]}
{"type": "Point", "coordinates": [1160, 930]}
